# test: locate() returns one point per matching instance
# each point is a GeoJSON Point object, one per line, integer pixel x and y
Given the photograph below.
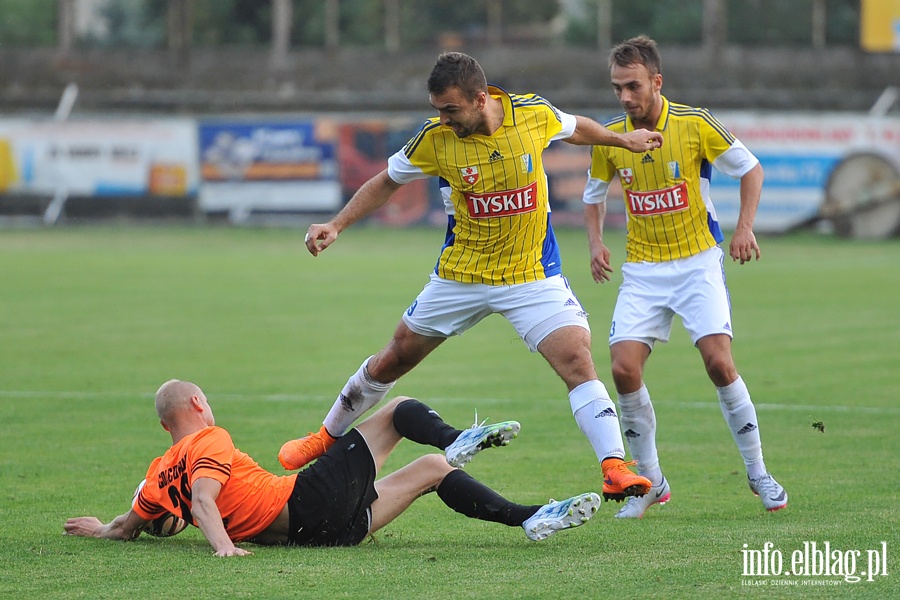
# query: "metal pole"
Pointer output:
{"type": "Point", "coordinates": [495, 22]}
{"type": "Point", "coordinates": [332, 24]}
{"type": "Point", "coordinates": [65, 24]}
{"type": "Point", "coordinates": [392, 25]}
{"type": "Point", "coordinates": [604, 24]}
{"type": "Point", "coordinates": [819, 24]}
{"type": "Point", "coordinates": [714, 26]}
{"type": "Point", "coordinates": [282, 23]}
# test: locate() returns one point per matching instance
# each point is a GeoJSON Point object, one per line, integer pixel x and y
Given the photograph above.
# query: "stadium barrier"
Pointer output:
{"type": "Point", "coordinates": [835, 168]}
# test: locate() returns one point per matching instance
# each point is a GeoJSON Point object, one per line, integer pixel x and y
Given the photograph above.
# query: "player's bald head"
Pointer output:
{"type": "Point", "coordinates": [174, 396]}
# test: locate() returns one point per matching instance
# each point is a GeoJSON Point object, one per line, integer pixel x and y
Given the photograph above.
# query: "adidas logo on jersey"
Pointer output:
{"type": "Point", "coordinates": [746, 428]}
{"type": "Point", "coordinates": [495, 156]}
{"type": "Point", "coordinates": [606, 412]}
{"type": "Point", "coordinates": [647, 159]}
{"type": "Point", "coordinates": [570, 302]}
{"type": "Point", "coordinates": [631, 433]}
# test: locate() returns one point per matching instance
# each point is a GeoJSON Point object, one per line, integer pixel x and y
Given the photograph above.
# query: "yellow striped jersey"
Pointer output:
{"type": "Point", "coordinates": [666, 191]}
{"type": "Point", "coordinates": [495, 191]}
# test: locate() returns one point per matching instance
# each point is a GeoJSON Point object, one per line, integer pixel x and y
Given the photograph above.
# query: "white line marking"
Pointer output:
{"type": "Point", "coordinates": [872, 410]}
{"type": "Point", "coordinates": [303, 398]}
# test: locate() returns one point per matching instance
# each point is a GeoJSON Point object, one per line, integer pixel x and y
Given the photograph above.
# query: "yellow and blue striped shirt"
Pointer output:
{"type": "Point", "coordinates": [666, 191]}
{"type": "Point", "coordinates": [495, 191]}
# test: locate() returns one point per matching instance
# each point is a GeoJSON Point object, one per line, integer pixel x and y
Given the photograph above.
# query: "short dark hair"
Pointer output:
{"type": "Point", "coordinates": [641, 50]}
{"type": "Point", "coordinates": [455, 69]}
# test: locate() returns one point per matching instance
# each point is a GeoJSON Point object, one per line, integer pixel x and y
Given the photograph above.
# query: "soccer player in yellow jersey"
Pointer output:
{"type": "Point", "coordinates": [673, 263]}
{"type": "Point", "coordinates": [499, 256]}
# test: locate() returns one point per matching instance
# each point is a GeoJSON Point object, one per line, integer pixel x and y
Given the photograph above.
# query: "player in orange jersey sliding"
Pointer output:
{"type": "Point", "coordinates": [209, 483]}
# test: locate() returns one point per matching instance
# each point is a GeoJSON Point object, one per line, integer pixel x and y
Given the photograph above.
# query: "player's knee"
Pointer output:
{"type": "Point", "coordinates": [573, 363]}
{"type": "Point", "coordinates": [405, 411]}
{"type": "Point", "coordinates": [396, 401]}
{"type": "Point", "coordinates": [436, 462]}
{"type": "Point", "coordinates": [720, 368]}
{"type": "Point", "coordinates": [626, 375]}
{"type": "Point", "coordinates": [433, 468]}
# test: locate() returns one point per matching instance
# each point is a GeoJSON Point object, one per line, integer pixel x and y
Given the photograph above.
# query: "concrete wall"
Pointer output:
{"type": "Point", "coordinates": [229, 80]}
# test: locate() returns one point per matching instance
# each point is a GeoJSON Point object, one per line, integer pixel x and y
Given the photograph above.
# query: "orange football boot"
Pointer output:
{"type": "Point", "coordinates": [300, 452]}
{"type": "Point", "coordinates": [619, 481]}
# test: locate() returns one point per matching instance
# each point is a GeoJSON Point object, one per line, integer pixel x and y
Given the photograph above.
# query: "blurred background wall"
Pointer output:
{"type": "Point", "coordinates": [226, 55]}
{"type": "Point", "coordinates": [242, 106]}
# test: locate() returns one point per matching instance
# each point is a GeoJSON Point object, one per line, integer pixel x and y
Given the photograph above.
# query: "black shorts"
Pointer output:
{"type": "Point", "coordinates": [332, 498]}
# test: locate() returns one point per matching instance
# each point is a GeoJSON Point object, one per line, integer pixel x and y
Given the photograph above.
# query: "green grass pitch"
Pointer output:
{"type": "Point", "coordinates": [94, 319]}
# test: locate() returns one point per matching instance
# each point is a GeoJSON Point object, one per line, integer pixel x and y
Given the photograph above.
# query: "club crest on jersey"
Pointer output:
{"type": "Point", "coordinates": [527, 163]}
{"type": "Point", "coordinates": [674, 169]}
{"type": "Point", "coordinates": [626, 175]}
{"type": "Point", "coordinates": [469, 174]}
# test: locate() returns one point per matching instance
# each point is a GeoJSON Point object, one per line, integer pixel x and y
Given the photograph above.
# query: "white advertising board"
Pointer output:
{"type": "Point", "coordinates": [798, 153]}
{"type": "Point", "coordinates": [99, 157]}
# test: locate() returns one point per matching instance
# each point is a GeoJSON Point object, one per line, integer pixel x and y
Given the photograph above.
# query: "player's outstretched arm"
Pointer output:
{"type": "Point", "coordinates": [591, 133]}
{"type": "Point", "coordinates": [124, 527]}
{"type": "Point", "coordinates": [370, 197]}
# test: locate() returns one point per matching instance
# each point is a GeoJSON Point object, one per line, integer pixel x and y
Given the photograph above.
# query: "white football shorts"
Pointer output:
{"type": "Point", "coordinates": [445, 307]}
{"type": "Point", "coordinates": [653, 293]}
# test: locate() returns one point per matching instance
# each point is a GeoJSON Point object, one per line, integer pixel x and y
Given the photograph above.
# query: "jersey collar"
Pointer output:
{"type": "Point", "coordinates": [509, 117]}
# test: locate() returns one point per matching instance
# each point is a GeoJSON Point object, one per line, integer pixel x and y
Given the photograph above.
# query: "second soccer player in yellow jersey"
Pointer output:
{"type": "Point", "coordinates": [673, 263]}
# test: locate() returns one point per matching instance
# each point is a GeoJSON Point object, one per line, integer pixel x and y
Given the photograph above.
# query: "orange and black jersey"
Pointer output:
{"type": "Point", "coordinates": [250, 499]}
